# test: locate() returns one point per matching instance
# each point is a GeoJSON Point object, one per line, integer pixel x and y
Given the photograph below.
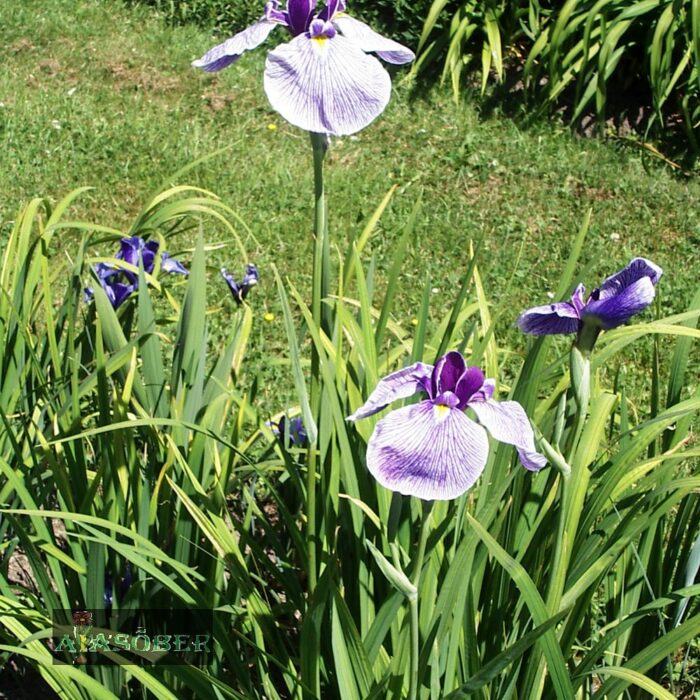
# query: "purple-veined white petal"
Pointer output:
{"type": "Point", "coordinates": [560, 317]}
{"type": "Point", "coordinates": [614, 310]}
{"type": "Point", "coordinates": [397, 385]}
{"type": "Point", "coordinates": [486, 391]}
{"type": "Point", "coordinates": [426, 450]}
{"type": "Point", "coordinates": [577, 298]}
{"type": "Point", "coordinates": [639, 268]}
{"type": "Point", "coordinates": [507, 422]}
{"type": "Point", "coordinates": [326, 85]}
{"type": "Point", "coordinates": [372, 42]}
{"type": "Point", "coordinates": [231, 50]}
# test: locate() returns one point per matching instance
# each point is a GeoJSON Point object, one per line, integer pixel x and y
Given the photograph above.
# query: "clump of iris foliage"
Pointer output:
{"type": "Point", "coordinates": [637, 58]}
{"type": "Point", "coordinates": [137, 475]}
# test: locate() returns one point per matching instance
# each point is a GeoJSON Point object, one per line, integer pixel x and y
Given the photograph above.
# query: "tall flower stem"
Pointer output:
{"type": "Point", "coordinates": [580, 367]}
{"type": "Point", "coordinates": [413, 603]}
{"type": "Point", "coordinates": [321, 273]}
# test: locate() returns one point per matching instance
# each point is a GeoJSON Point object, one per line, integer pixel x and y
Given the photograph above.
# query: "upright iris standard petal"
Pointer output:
{"type": "Point", "coordinates": [448, 370]}
{"type": "Point", "coordinates": [470, 383]}
{"type": "Point", "coordinates": [507, 422]}
{"type": "Point", "coordinates": [240, 290]}
{"type": "Point", "coordinates": [332, 6]}
{"type": "Point", "coordinates": [372, 42]}
{"type": "Point", "coordinates": [232, 49]}
{"type": "Point", "coordinates": [638, 269]}
{"type": "Point", "coordinates": [326, 85]}
{"type": "Point", "coordinates": [427, 450]}
{"type": "Point", "coordinates": [250, 278]}
{"type": "Point", "coordinates": [615, 309]}
{"type": "Point", "coordinates": [397, 385]}
{"type": "Point", "coordinates": [300, 13]}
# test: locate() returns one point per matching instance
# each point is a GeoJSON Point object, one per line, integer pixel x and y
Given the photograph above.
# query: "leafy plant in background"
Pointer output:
{"type": "Point", "coordinates": [400, 19]}
{"type": "Point", "coordinates": [604, 57]}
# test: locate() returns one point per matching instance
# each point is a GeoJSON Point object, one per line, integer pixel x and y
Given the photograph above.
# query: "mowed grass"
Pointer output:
{"type": "Point", "coordinates": [96, 94]}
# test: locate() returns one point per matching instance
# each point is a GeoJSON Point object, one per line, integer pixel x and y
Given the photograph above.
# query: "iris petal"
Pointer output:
{"type": "Point", "coordinates": [368, 40]}
{"type": "Point", "coordinates": [638, 269]}
{"type": "Point", "coordinates": [448, 369]}
{"type": "Point", "coordinates": [560, 317]}
{"type": "Point", "coordinates": [426, 450]}
{"type": "Point", "coordinates": [469, 383]}
{"type": "Point", "coordinates": [168, 264]}
{"type": "Point", "coordinates": [507, 422]}
{"type": "Point", "coordinates": [614, 310]}
{"type": "Point", "coordinates": [231, 50]}
{"type": "Point", "coordinates": [397, 385]}
{"type": "Point", "coordinates": [299, 12]}
{"type": "Point", "coordinates": [326, 85]}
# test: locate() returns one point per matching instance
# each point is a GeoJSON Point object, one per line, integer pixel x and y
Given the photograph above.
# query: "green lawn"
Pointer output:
{"type": "Point", "coordinates": [95, 94]}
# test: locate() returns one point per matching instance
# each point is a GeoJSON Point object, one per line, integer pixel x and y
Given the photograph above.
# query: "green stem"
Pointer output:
{"type": "Point", "coordinates": [580, 367]}
{"type": "Point", "coordinates": [413, 603]}
{"type": "Point", "coordinates": [319, 144]}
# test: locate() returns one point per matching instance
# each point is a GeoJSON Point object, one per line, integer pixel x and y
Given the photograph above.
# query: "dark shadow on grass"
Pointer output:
{"type": "Point", "coordinates": [629, 117]}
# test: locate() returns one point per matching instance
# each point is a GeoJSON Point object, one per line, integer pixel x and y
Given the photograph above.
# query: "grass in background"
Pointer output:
{"type": "Point", "coordinates": [94, 94]}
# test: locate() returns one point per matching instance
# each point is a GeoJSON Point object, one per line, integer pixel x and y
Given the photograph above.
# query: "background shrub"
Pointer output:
{"type": "Point", "coordinates": [605, 57]}
{"type": "Point", "coordinates": [402, 20]}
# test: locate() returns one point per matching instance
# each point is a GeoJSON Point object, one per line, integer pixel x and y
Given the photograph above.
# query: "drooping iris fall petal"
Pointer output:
{"type": "Point", "coordinates": [427, 450]}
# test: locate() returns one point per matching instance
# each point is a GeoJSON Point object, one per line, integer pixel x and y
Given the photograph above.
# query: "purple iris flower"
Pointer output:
{"type": "Point", "coordinates": [119, 283]}
{"type": "Point", "coordinates": [297, 432]}
{"type": "Point", "coordinates": [322, 80]}
{"type": "Point", "coordinates": [240, 290]}
{"type": "Point", "coordinates": [620, 297]}
{"type": "Point", "coordinates": [432, 449]}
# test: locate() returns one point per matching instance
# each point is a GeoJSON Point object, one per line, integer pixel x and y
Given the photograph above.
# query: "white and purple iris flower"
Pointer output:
{"type": "Point", "coordinates": [620, 297]}
{"type": "Point", "coordinates": [240, 290]}
{"type": "Point", "coordinates": [432, 449]}
{"type": "Point", "coordinates": [323, 79]}
{"type": "Point", "coordinates": [118, 282]}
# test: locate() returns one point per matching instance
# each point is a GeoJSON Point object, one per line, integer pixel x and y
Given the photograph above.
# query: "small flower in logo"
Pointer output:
{"type": "Point", "coordinates": [82, 618]}
{"type": "Point", "coordinates": [82, 624]}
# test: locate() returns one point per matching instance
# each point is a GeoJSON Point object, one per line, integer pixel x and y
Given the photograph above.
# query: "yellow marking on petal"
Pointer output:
{"type": "Point", "coordinates": [321, 40]}
{"type": "Point", "coordinates": [441, 412]}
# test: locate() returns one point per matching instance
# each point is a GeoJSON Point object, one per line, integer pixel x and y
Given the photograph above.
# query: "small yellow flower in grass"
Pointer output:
{"type": "Point", "coordinates": [269, 317]}
{"type": "Point", "coordinates": [414, 321]}
{"type": "Point", "coordinates": [272, 127]}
